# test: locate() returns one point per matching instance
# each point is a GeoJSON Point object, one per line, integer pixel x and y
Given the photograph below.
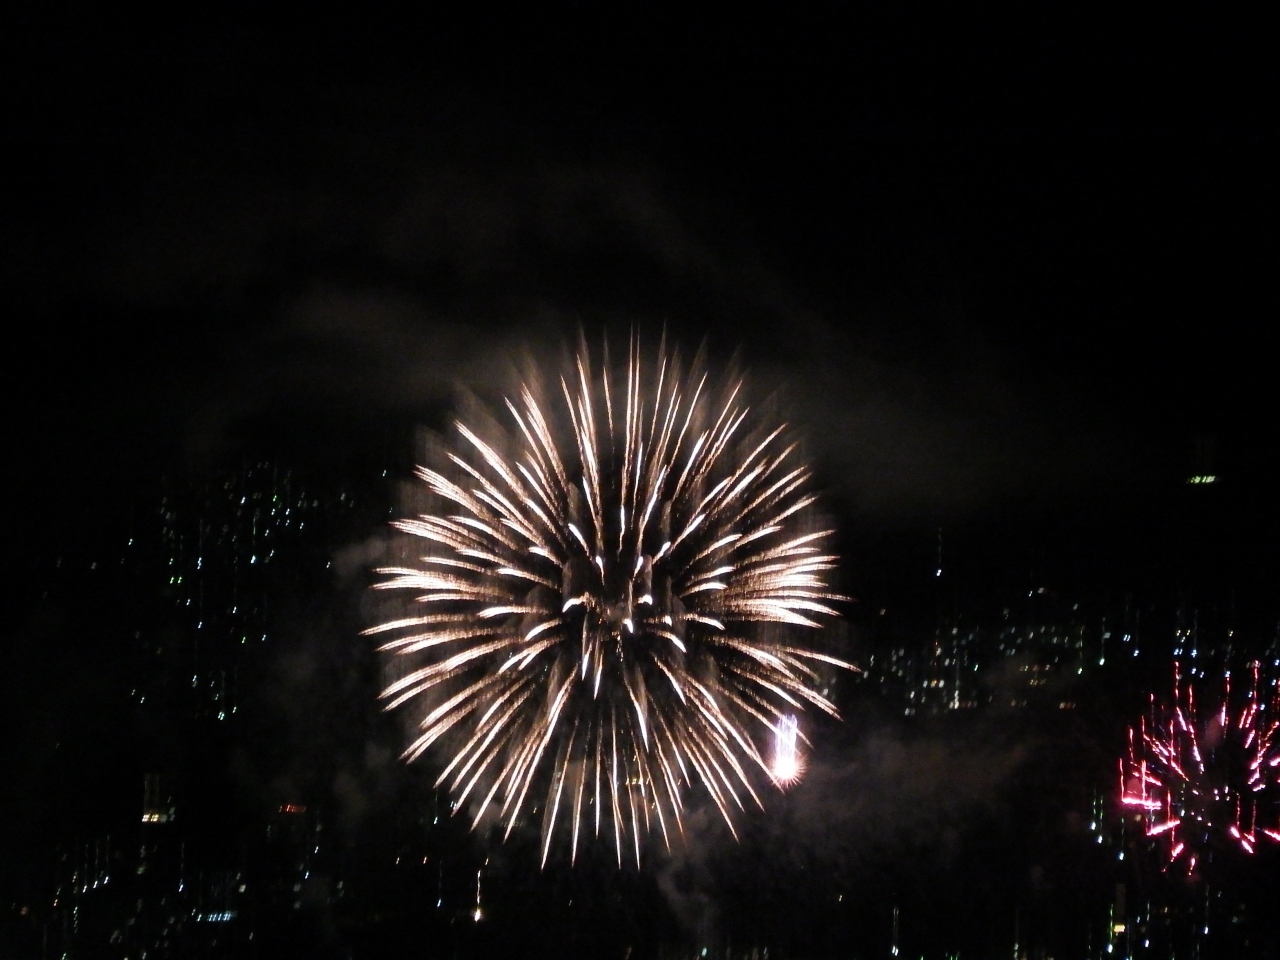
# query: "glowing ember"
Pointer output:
{"type": "Point", "coordinates": [606, 593]}
{"type": "Point", "coordinates": [1204, 778]}
{"type": "Point", "coordinates": [787, 767]}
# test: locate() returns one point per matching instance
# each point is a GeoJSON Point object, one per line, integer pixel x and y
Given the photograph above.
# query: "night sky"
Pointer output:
{"type": "Point", "coordinates": [1012, 275]}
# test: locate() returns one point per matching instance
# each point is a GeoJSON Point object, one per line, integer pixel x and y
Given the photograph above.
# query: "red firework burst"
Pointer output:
{"type": "Point", "coordinates": [1203, 779]}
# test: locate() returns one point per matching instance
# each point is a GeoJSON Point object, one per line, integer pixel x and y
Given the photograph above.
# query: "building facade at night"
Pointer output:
{"type": "Point", "coordinates": [269, 816]}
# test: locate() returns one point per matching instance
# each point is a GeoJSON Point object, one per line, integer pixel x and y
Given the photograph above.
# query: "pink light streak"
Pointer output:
{"type": "Point", "coordinates": [1199, 777]}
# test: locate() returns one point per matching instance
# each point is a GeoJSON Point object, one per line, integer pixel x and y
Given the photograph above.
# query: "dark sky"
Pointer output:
{"type": "Point", "coordinates": [1003, 269]}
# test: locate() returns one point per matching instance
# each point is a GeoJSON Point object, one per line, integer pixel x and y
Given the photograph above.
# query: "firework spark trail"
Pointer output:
{"type": "Point", "coordinates": [787, 765]}
{"type": "Point", "coordinates": [610, 591]}
{"type": "Point", "coordinates": [1199, 777]}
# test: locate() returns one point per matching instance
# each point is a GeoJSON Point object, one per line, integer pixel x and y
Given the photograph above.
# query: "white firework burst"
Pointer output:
{"type": "Point", "coordinates": [608, 594]}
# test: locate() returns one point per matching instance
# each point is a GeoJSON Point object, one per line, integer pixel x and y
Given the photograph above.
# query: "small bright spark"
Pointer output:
{"type": "Point", "coordinates": [787, 767]}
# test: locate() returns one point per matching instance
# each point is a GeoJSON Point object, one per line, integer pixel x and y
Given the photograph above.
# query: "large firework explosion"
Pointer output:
{"type": "Point", "coordinates": [1207, 778]}
{"type": "Point", "coordinates": [608, 593]}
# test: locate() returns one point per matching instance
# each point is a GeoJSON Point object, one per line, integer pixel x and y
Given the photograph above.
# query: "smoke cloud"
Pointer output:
{"type": "Point", "coordinates": [335, 298]}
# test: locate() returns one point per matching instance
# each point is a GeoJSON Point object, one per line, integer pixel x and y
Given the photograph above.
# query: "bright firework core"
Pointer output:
{"type": "Point", "coordinates": [1205, 779]}
{"type": "Point", "coordinates": [787, 767]}
{"type": "Point", "coordinates": [607, 597]}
